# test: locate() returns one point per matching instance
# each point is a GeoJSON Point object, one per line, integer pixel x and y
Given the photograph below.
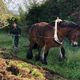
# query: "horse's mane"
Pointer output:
{"type": "Point", "coordinates": [70, 24]}
{"type": "Point", "coordinates": [52, 23]}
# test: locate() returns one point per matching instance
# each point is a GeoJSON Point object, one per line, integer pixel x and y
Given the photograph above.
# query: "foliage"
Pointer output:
{"type": "Point", "coordinates": [44, 12]}
{"type": "Point", "coordinates": [51, 9]}
{"type": "Point", "coordinates": [4, 14]}
{"type": "Point", "coordinates": [9, 23]}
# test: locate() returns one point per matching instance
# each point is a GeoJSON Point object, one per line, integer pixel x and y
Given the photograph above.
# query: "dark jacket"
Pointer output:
{"type": "Point", "coordinates": [15, 31]}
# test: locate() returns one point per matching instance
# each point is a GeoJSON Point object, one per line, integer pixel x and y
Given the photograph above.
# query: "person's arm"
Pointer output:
{"type": "Point", "coordinates": [10, 31]}
{"type": "Point", "coordinates": [19, 31]}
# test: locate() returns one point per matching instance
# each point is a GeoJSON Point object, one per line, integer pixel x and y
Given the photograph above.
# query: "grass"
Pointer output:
{"type": "Point", "coordinates": [69, 68]}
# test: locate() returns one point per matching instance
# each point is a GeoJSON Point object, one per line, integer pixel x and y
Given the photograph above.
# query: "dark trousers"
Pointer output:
{"type": "Point", "coordinates": [15, 40]}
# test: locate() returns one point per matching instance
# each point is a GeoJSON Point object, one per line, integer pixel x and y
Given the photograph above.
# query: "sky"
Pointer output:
{"type": "Point", "coordinates": [13, 5]}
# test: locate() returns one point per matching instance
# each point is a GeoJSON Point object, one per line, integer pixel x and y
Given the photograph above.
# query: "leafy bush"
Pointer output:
{"type": "Point", "coordinates": [51, 9]}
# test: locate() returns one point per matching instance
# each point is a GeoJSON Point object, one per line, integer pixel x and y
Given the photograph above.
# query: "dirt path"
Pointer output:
{"type": "Point", "coordinates": [13, 69]}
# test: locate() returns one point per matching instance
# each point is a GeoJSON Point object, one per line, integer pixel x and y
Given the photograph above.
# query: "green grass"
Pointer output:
{"type": "Point", "coordinates": [69, 68]}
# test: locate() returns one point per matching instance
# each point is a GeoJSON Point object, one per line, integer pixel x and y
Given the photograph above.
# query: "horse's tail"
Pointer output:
{"type": "Point", "coordinates": [28, 30]}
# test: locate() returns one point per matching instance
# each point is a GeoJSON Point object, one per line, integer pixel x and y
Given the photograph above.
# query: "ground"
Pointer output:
{"type": "Point", "coordinates": [13, 68]}
{"type": "Point", "coordinates": [69, 68]}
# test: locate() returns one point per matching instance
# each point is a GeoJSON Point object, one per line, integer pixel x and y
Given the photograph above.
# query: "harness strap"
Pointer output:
{"type": "Point", "coordinates": [55, 31]}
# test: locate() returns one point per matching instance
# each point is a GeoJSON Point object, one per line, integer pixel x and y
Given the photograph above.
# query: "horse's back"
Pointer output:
{"type": "Point", "coordinates": [41, 24]}
{"type": "Point", "coordinates": [38, 32]}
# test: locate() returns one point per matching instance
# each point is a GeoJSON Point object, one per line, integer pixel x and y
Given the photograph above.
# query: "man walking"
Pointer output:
{"type": "Point", "coordinates": [15, 31]}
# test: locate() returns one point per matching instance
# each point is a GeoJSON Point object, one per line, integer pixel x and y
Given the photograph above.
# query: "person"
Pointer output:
{"type": "Point", "coordinates": [15, 31]}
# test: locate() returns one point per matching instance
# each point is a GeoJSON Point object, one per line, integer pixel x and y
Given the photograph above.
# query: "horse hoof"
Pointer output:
{"type": "Point", "coordinates": [37, 57]}
{"type": "Point", "coordinates": [44, 62]}
{"type": "Point", "coordinates": [29, 56]}
{"type": "Point", "coordinates": [60, 59]}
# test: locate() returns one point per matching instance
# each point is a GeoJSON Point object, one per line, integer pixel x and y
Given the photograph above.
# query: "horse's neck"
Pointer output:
{"type": "Point", "coordinates": [62, 32]}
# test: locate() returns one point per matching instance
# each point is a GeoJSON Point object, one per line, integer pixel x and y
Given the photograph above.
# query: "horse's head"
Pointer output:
{"type": "Point", "coordinates": [71, 30]}
{"type": "Point", "coordinates": [74, 38]}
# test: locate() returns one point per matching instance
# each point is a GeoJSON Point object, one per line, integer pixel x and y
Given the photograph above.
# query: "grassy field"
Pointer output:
{"type": "Point", "coordinates": [69, 68]}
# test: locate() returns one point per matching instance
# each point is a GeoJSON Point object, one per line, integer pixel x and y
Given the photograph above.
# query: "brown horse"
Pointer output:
{"type": "Point", "coordinates": [43, 37]}
{"type": "Point", "coordinates": [73, 31]}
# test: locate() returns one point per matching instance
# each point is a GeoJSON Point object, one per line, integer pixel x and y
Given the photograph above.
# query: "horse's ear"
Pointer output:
{"type": "Point", "coordinates": [57, 17]}
{"type": "Point", "coordinates": [60, 22]}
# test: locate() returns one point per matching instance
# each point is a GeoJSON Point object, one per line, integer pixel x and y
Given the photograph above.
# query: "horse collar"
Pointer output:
{"type": "Point", "coordinates": [55, 31]}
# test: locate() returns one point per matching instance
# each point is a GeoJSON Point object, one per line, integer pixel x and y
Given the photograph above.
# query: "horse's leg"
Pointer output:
{"type": "Point", "coordinates": [62, 53]}
{"type": "Point", "coordinates": [45, 57]}
{"type": "Point", "coordinates": [37, 56]}
{"type": "Point", "coordinates": [44, 54]}
{"type": "Point", "coordinates": [29, 53]}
